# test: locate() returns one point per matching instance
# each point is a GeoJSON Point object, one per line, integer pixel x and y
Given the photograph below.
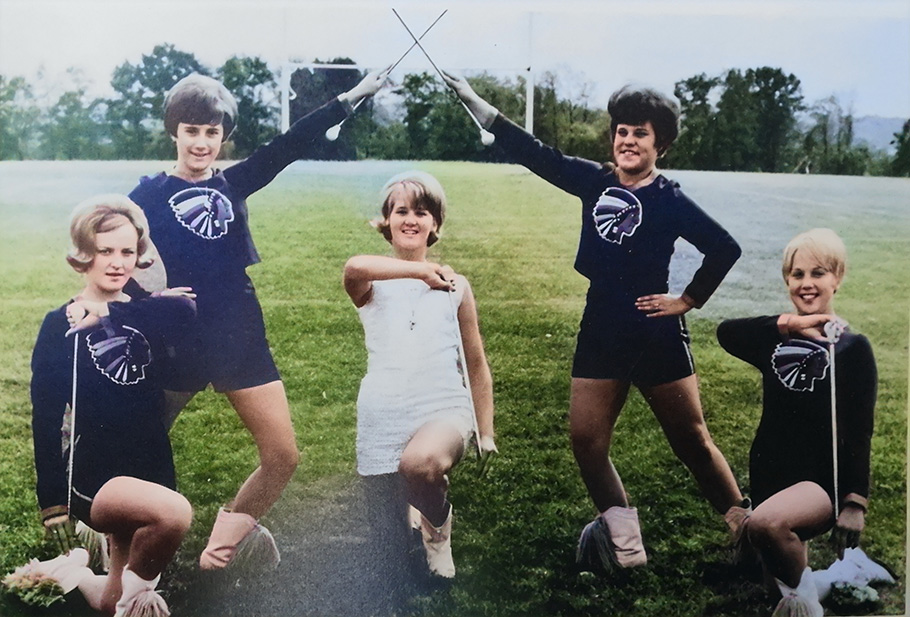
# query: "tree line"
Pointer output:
{"type": "Point", "coordinates": [741, 120]}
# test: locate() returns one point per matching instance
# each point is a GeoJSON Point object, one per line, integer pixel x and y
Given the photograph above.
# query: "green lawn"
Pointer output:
{"type": "Point", "coordinates": [514, 237]}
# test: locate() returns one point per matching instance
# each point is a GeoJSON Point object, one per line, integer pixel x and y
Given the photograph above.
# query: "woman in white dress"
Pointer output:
{"type": "Point", "coordinates": [414, 412]}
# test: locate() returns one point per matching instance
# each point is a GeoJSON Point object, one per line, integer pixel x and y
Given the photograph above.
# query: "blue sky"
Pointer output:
{"type": "Point", "coordinates": [857, 50]}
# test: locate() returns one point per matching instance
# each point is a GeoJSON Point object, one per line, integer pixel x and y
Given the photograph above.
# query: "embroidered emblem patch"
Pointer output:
{"type": "Point", "coordinates": [799, 364]}
{"type": "Point", "coordinates": [617, 214]}
{"type": "Point", "coordinates": [121, 353]}
{"type": "Point", "coordinates": [204, 211]}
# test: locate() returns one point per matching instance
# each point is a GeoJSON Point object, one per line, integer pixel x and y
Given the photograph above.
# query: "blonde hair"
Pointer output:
{"type": "Point", "coordinates": [425, 193]}
{"type": "Point", "coordinates": [100, 214]}
{"type": "Point", "coordinates": [821, 243]}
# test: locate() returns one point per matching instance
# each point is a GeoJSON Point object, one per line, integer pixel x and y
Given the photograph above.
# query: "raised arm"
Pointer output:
{"type": "Point", "coordinates": [478, 368]}
{"type": "Point", "coordinates": [361, 270]}
{"type": "Point", "coordinates": [266, 162]}
{"type": "Point", "coordinates": [571, 174]}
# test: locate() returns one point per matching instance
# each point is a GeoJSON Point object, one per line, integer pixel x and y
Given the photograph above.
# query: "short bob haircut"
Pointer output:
{"type": "Point", "coordinates": [198, 99]}
{"type": "Point", "coordinates": [636, 105]}
{"type": "Point", "coordinates": [426, 193]}
{"type": "Point", "coordinates": [821, 243]}
{"type": "Point", "coordinates": [100, 214]}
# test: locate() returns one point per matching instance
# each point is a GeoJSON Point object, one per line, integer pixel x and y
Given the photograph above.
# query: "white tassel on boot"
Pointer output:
{"type": "Point", "coordinates": [138, 597]}
{"type": "Point", "coordinates": [438, 543]}
{"type": "Point", "coordinates": [800, 602]}
{"type": "Point", "coordinates": [238, 539]}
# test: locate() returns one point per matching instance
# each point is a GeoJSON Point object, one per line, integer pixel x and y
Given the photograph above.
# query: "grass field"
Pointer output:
{"type": "Point", "coordinates": [514, 237]}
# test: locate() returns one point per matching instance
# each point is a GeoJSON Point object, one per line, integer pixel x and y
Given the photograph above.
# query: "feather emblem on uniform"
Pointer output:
{"type": "Point", "coordinates": [799, 364]}
{"type": "Point", "coordinates": [617, 214]}
{"type": "Point", "coordinates": [121, 353]}
{"type": "Point", "coordinates": [204, 211]}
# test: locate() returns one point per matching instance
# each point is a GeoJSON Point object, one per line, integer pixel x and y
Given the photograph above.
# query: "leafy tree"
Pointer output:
{"type": "Point", "coordinates": [547, 124]}
{"type": "Point", "coordinates": [253, 85]}
{"type": "Point", "coordinates": [18, 118]}
{"type": "Point", "coordinates": [74, 128]}
{"type": "Point", "coordinates": [736, 128]}
{"type": "Point", "coordinates": [900, 165]}
{"type": "Point", "coordinates": [777, 100]}
{"type": "Point", "coordinates": [694, 149]}
{"type": "Point", "coordinates": [313, 88]}
{"type": "Point", "coordinates": [422, 94]}
{"type": "Point", "coordinates": [136, 107]}
{"type": "Point", "coordinates": [828, 144]}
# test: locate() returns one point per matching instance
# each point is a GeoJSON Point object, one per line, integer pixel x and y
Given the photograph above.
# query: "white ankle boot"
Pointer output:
{"type": "Point", "coordinates": [801, 601]}
{"type": "Point", "coordinates": [437, 541]}
{"type": "Point", "coordinates": [625, 534]}
{"type": "Point", "coordinates": [138, 597]}
{"type": "Point", "coordinates": [238, 535]}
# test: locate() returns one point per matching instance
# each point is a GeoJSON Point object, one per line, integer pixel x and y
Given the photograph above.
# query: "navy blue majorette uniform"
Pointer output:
{"type": "Point", "coordinates": [123, 366]}
{"type": "Point", "coordinates": [202, 233]}
{"type": "Point", "coordinates": [627, 240]}
{"type": "Point", "coordinates": [793, 440]}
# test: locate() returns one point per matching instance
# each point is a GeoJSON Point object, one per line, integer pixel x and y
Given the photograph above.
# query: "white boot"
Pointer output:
{"type": "Point", "coordinates": [138, 597]}
{"type": "Point", "coordinates": [800, 602]}
{"type": "Point", "coordinates": [237, 534]}
{"type": "Point", "coordinates": [625, 534]}
{"type": "Point", "coordinates": [438, 543]}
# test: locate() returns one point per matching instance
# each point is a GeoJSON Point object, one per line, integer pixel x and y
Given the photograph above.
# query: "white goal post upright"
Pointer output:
{"type": "Point", "coordinates": [287, 94]}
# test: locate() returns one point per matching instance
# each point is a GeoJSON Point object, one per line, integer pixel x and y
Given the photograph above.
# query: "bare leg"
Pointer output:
{"type": "Point", "coordinates": [593, 410]}
{"type": "Point", "coordinates": [102, 591]}
{"type": "Point", "coordinates": [425, 463]}
{"type": "Point", "coordinates": [781, 525]}
{"type": "Point", "coordinates": [265, 413]}
{"type": "Point", "coordinates": [146, 523]}
{"type": "Point", "coordinates": [677, 407]}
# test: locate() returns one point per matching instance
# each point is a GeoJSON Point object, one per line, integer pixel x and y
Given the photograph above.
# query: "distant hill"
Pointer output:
{"type": "Point", "coordinates": [877, 132]}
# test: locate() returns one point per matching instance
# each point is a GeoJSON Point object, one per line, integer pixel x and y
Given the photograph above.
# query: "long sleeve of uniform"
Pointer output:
{"type": "Point", "coordinates": [51, 385]}
{"type": "Point", "coordinates": [746, 339]}
{"type": "Point", "coordinates": [719, 248]}
{"type": "Point", "coordinates": [569, 173]}
{"type": "Point", "coordinates": [267, 161]}
{"type": "Point", "coordinates": [857, 384]}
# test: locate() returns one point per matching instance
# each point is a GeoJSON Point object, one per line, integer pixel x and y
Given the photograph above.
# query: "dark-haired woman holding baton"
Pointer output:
{"type": "Point", "coordinates": [632, 331]}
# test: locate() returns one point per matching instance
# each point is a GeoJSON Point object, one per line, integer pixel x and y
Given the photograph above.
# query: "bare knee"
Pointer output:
{"type": "Point", "coordinates": [587, 441]}
{"type": "Point", "coordinates": [175, 517]}
{"type": "Point", "coordinates": [423, 467]}
{"type": "Point", "coordinates": [766, 531]}
{"type": "Point", "coordinates": [280, 460]}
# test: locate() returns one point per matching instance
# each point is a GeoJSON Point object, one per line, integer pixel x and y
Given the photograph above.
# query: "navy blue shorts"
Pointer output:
{"type": "Point", "coordinates": [645, 351]}
{"type": "Point", "coordinates": [228, 348]}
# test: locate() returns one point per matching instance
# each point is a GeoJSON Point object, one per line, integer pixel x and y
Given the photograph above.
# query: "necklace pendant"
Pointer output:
{"type": "Point", "coordinates": [412, 324]}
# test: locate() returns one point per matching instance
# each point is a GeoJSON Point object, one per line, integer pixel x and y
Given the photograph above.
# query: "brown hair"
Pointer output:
{"type": "Point", "coordinates": [635, 105]}
{"type": "Point", "coordinates": [198, 99]}
{"type": "Point", "coordinates": [425, 193]}
{"type": "Point", "coordinates": [100, 214]}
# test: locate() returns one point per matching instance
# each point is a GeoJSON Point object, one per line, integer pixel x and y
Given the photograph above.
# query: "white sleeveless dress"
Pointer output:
{"type": "Point", "coordinates": [413, 371]}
